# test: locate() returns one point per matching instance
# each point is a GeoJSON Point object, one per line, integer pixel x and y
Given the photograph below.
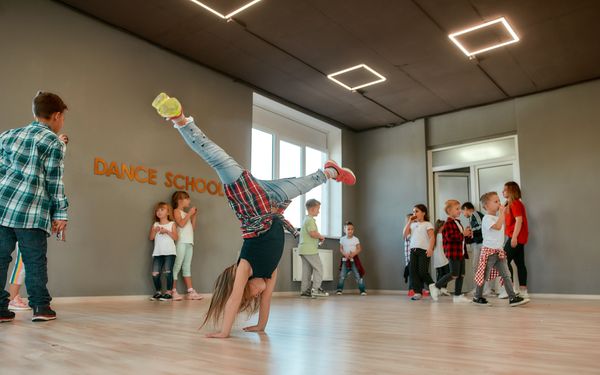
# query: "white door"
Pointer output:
{"type": "Point", "coordinates": [449, 185]}
{"type": "Point", "coordinates": [492, 177]}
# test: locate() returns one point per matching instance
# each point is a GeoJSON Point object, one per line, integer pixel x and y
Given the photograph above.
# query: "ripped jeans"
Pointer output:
{"type": "Point", "coordinates": [229, 170]}
{"type": "Point", "coordinates": [162, 263]}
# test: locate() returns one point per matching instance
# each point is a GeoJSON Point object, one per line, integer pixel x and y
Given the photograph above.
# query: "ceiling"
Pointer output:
{"type": "Point", "coordinates": [288, 47]}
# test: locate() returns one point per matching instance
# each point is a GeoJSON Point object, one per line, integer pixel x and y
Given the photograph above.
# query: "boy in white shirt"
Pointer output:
{"type": "Point", "coordinates": [350, 247]}
{"type": "Point", "coordinates": [492, 260]}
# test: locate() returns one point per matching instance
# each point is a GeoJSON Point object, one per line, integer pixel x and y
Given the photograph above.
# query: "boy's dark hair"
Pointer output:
{"type": "Point", "coordinates": [312, 203]}
{"type": "Point", "coordinates": [348, 223]}
{"type": "Point", "coordinates": [47, 103]}
{"type": "Point", "coordinates": [467, 206]}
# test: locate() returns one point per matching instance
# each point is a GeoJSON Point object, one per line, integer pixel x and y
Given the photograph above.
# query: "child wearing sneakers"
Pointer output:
{"type": "Point", "coordinates": [186, 222]}
{"type": "Point", "coordinates": [440, 262]}
{"type": "Point", "coordinates": [455, 249]}
{"type": "Point", "coordinates": [308, 249]}
{"type": "Point", "coordinates": [33, 204]}
{"type": "Point", "coordinates": [248, 284]}
{"type": "Point", "coordinates": [350, 262]}
{"type": "Point", "coordinates": [493, 260]}
{"type": "Point", "coordinates": [164, 234]}
{"type": "Point", "coordinates": [422, 241]}
{"type": "Point", "coordinates": [17, 277]}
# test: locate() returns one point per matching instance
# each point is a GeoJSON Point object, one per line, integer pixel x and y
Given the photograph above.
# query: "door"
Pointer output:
{"type": "Point", "coordinates": [449, 185]}
{"type": "Point", "coordinates": [492, 177]}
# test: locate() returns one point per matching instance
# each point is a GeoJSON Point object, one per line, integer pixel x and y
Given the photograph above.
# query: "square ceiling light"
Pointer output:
{"type": "Point", "coordinates": [356, 77]}
{"type": "Point", "coordinates": [495, 26]}
{"type": "Point", "coordinates": [230, 14]}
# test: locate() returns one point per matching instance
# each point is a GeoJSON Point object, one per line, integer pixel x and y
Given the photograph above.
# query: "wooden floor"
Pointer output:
{"type": "Point", "coordinates": [376, 334]}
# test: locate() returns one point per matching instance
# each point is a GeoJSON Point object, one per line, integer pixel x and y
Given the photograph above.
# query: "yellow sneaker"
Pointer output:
{"type": "Point", "coordinates": [166, 106]}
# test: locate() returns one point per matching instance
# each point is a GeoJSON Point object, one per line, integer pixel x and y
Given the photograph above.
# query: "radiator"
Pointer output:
{"type": "Point", "coordinates": [326, 256]}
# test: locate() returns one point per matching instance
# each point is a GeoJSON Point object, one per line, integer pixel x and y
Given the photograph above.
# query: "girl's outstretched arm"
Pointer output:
{"type": "Point", "coordinates": [265, 305]}
{"type": "Point", "coordinates": [232, 307]}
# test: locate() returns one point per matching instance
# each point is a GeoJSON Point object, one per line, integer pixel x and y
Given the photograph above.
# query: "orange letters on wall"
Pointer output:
{"type": "Point", "coordinates": [145, 175]}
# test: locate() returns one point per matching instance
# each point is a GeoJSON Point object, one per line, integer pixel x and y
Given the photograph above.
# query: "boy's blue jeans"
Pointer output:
{"type": "Point", "coordinates": [229, 170]}
{"type": "Point", "coordinates": [344, 273]}
{"type": "Point", "coordinates": [33, 244]}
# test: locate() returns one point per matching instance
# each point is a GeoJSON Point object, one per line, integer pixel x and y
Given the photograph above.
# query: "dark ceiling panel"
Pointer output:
{"type": "Point", "coordinates": [287, 47]}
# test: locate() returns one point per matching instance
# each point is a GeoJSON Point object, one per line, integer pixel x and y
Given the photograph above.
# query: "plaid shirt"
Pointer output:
{"type": "Point", "coordinates": [31, 172]}
{"type": "Point", "coordinates": [453, 240]}
{"type": "Point", "coordinates": [252, 207]}
{"type": "Point", "coordinates": [481, 267]}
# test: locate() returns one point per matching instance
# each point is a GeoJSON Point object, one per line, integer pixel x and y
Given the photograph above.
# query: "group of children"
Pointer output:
{"type": "Point", "coordinates": [446, 244]}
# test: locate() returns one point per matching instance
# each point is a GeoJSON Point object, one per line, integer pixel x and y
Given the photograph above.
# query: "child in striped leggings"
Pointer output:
{"type": "Point", "coordinates": [17, 278]}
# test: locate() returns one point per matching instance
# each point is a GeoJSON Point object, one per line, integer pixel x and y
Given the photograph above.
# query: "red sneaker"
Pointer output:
{"type": "Point", "coordinates": [425, 293]}
{"type": "Point", "coordinates": [345, 175]}
{"type": "Point", "coordinates": [411, 293]}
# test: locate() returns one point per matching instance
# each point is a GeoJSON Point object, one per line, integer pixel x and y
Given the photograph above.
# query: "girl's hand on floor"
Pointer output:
{"type": "Point", "coordinates": [255, 328]}
{"type": "Point", "coordinates": [217, 335]}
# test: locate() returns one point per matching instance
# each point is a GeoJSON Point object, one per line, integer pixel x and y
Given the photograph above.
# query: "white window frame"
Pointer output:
{"type": "Point", "coordinates": [332, 193]}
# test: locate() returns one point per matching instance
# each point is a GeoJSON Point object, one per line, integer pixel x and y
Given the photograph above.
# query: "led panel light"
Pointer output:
{"type": "Point", "coordinates": [379, 79]}
{"type": "Point", "coordinates": [515, 37]}
{"type": "Point", "coordinates": [225, 16]}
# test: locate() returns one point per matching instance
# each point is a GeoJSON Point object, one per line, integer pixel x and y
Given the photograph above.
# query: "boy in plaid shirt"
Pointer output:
{"type": "Point", "coordinates": [32, 200]}
{"type": "Point", "coordinates": [455, 249]}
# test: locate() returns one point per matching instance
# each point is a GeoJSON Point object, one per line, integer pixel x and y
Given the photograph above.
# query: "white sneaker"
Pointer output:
{"type": "Point", "coordinates": [460, 299]}
{"type": "Point", "coordinates": [434, 292]}
{"type": "Point", "coordinates": [444, 292]}
{"type": "Point", "coordinates": [523, 294]}
{"type": "Point", "coordinates": [363, 293]}
{"type": "Point", "coordinates": [503, 294]}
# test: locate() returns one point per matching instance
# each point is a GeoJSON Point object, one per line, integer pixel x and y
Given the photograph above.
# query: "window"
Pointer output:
{"type": "Point", "coordinates": [283, 147]}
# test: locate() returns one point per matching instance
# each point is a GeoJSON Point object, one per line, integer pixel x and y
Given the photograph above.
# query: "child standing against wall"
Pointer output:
{"type": "Point", "coordinates": [309, 252]}
{"type": "Point", "coordinates": [186, 222]}
{"type": "Point", "coordinates": [350, 248]}
{"type": "Point", "coordinates": [164, 235]}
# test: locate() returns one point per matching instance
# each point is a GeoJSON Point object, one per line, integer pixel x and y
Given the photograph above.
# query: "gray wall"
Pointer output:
{"type": "Point", "coordinates": [559, 157]}
{"type": "Point", "coordinates": [108, 79]}
{"type": "Point", "coordinates": [470, 125]}
{"type": "Point", "coordinates": [392, 165]}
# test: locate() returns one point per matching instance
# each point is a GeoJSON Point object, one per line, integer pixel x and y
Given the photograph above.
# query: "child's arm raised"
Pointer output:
{"type": "Point", "coordinates": [232, 307]}
{"type": "Point", "coordinates": [500, 221]}
{"type": "Point", "coordinates": [182, 221]}
{"type": "Point", "coordinates": [409, 221]}
{"type": "Point", "coordinates": [265, 306]}
{"type": "Point", "coordinates": [194, 216]}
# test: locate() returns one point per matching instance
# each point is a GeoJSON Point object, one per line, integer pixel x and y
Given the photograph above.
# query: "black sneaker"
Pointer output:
{"type": "Point", "coordinates": [166, 297]}
{"type": "Point", "coordinates": [517, 301]}
{"type": "Point", "coordinates": [481, 301]}
{"type": "Point", "coordinates": [156, 296]}
{"type": "Point", "coordinates": [43, 314]}
{"type": "Point", "coordinates": [306, 294]}
{"type": "Point", "coordinates": [6, 316]}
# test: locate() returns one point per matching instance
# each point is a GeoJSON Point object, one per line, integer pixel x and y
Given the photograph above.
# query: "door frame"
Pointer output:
{"type": "Point", "coordinates": [472, 165]}
{"type": "Point", "coordinates": [436, 175]}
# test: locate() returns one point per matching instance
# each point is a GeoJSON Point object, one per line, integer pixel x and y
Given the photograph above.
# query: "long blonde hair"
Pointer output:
{"type": "Point", "coordinates": [221, 293]}
{"type": "Point", "coordinates": [513, 191]}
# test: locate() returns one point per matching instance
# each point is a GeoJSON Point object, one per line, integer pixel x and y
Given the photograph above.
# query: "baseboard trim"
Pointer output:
{"type": "Point", "coordinates": [99, 299]}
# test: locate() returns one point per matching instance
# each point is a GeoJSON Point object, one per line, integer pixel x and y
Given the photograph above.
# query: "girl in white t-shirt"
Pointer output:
{"type": "Point", "coordinates": [422, 241]}
{"type": "Point", "coordinates": [440, 262]}
{"type": "Point", "coordinates": [186, 222]}
{"type": "Point", "coordinates": [164, 235]}
{"type": "Point", "coordinates": [350, 247]}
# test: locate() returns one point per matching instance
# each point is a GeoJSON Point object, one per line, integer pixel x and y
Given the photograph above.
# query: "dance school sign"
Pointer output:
{"type": "Point", "coordinates": [145, 175]}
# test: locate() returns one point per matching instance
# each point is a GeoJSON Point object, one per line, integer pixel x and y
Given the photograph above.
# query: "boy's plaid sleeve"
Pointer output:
{"type": "Point", "coordinates": [54, 166]}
